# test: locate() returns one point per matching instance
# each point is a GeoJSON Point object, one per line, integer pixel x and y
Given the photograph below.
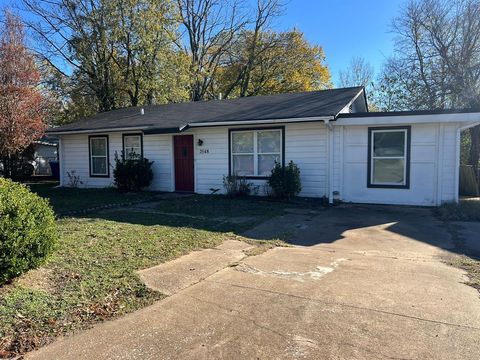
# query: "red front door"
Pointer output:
{"type": "Point", "coordinates": [183, 154]}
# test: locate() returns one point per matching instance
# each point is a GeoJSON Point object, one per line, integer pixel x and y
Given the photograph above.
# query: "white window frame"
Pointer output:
{"type": "Point", "coordinates": [255, 153]}
{"type": "Point", "coordinates": [405, 158]}
{"type": "Point", "coordinates": [140, 137]}
{"type": "Point", "coordinates": [91, 156]}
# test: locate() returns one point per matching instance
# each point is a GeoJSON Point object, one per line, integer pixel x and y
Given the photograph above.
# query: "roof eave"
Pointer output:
{"type": "Point", "coordinates": [153, 130]}
{"type": "Point", "coordinates": [411, 118]}
{"type": "Point", "coordinates": [261, 122]}
{"type": "Point", "coordinates": [89, 131]}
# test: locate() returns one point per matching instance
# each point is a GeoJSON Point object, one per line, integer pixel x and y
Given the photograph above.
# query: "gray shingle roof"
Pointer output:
{"type": "Point", "coordinates": [171, 117]}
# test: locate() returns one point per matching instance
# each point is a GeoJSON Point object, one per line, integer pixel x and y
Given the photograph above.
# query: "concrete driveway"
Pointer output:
{"type": "Point", "coordinates": [363, 282]}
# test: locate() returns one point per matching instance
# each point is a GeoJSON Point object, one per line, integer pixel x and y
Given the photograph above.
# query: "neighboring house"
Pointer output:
{"type": "Point", "coordinates": [46, 150]}
{"type": "Point", "coordinates": [343, 151]}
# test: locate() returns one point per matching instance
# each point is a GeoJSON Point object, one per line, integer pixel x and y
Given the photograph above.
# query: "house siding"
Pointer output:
{"type": "Point", "coordinates": [305, 144]}
{"type": "Point", "coordinates": [159, 149]}
{"type": "Point", "coordinates": [433, 164]}
{"type": "Point", "coordinates": [432, 167]}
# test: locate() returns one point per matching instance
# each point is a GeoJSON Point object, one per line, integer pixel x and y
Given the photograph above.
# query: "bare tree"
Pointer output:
{"type": "Point", "coordinates": [266, 10]}
{"type": "Point", "coordinates": [251, 44]}
{"type": "Point", "coordinates": [120, 52]}
{"type": "Point", "coordinates": [358, 73]}
{"type": "Point", "coordinates": [75, 34]}
{"type": "Point", "coordinates": [437, 57]}
{"type": "Point", "coordinates": [210, 28]}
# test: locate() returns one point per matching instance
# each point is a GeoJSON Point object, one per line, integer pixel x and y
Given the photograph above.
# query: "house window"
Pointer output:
{"type": "Point", "coordinates": [253, 153]}
{"type": "Point", "coordinates": [98, 156]}
{"type": "Point", "coordinates": [389, 157]}
{"type": "Point", "coordinates": [132, 146]}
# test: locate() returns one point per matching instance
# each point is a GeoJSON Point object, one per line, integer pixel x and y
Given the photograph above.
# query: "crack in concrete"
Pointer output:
{"type": "Point", "coordinates": [411, 317]}
{"type": "Point", "coordinates": [316, 274]}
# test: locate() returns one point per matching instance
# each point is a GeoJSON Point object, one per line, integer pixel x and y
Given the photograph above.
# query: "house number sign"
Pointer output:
{"type": "Point", "coordinates": [204, 151]}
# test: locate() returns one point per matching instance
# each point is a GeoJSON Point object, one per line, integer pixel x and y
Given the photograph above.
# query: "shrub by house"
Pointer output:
{"type": "Point", "coordinates": [132, 174]}
{"type": "Point", "coordinates": [285, 180]}
{"type": "Point", "coordinates": [27, 230]}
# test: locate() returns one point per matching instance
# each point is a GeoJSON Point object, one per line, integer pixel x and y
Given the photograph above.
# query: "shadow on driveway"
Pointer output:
{"type": "Point", "coordinates": [311, 226]}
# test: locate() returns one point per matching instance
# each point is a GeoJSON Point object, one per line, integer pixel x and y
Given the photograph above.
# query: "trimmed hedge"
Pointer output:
{"type": "Point", "coordinates": [28, 231]}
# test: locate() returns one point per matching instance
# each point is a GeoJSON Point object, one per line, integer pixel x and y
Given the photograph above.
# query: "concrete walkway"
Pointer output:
{"type": "Point", "coordinates": [368, 283]}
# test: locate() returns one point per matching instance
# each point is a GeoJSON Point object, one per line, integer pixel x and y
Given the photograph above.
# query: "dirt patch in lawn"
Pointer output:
{"type": "Point", "coordinates": [39, 279]}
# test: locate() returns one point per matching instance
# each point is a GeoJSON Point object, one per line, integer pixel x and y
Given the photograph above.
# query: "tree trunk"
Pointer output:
{"type": "Point", "coordinates": [7, 166]}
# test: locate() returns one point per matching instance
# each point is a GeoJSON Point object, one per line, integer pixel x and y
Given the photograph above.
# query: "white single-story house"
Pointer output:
{"type": "Point", "coordinates": [343, 151]}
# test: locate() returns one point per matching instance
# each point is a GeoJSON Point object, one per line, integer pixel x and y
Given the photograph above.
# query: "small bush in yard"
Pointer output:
{"type": "Point", "coordinates": [132, 174]}
{"type": "Point", "coordinates": [27, 230]}
{"type": "Point", "coordinates": [237, 186]}
{"type": "Point", "coordinates": [285, 180]}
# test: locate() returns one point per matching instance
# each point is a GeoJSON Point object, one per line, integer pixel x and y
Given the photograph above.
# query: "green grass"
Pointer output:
{"type": "Point", "coordinates": [91, 276]}
{"type": "Point", "coordinates": [222, 206]}
{"type": "Point", "coordinates": [68, 199]}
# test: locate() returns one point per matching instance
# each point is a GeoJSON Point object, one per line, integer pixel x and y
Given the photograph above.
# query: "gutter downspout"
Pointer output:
{"type": "Point", "coordinates": [330, 139]}
{"type": "Point", "coordinates": [457, 158]}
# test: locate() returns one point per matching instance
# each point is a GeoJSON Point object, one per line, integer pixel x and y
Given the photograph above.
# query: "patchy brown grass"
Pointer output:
{"type": "Point", "coordinates": [471, 266]}
{"type": "Point", "coordinates": [465, 210]}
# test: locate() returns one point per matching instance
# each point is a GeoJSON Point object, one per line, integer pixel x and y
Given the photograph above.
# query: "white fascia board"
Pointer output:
{"type": "Point", "coordinates": [259, 122]}
{"type": "Point", "coordinates": [346, 108]}
{"type": "Point", "coordinates": [410, 119]}
{"type": "Point", "coordinates": [95, 131]}
{"type": "Point", "coordinates": [469, 125]}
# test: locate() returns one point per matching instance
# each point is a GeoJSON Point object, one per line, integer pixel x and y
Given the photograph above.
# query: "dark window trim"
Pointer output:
{"type": "Point", "coordinates": [132, 134]}
{"type": "Point", "coordinates": [90, 156]}
{"type": "Point", "coordinates": [407, 164]}
{"type": "Point", "coordinates": [251, 177]}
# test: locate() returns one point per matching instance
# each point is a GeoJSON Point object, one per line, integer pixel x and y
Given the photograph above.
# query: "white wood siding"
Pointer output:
{"type": "Point", "coordinates": [432, 174]}
{"type": "Point", "coordinates": [305, 144]}
{"type": "Point", "coordinates": [76, 158]}
{"type": "Point", "coordinates": [159, 149]}
{"type": "Point", "coordinates": [432, 167]}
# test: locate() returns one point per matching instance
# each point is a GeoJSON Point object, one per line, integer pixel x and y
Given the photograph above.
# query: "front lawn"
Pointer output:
{"type": "Point", "coordinates": [220, 206]}
{"type": "Point", "coordinates": [91, 276]}
{"type": "Point", "coordinates": [69, 199]}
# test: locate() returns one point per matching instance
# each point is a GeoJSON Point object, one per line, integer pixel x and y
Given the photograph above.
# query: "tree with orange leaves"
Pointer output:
{"type": "Point", "coordinates": [22, 109]}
